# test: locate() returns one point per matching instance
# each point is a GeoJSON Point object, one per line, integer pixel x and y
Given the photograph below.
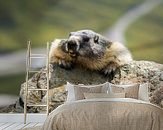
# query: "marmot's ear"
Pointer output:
{"type": "Point", "coordinates": [71, 33]}
{"type": "Point", "coordinates": [96, 38]}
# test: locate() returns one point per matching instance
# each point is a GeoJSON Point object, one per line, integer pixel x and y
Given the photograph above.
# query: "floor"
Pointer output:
{"type": "Point", "coordinates": [16, 121]}
{"type": "Point", "coordinates": [17, 126]}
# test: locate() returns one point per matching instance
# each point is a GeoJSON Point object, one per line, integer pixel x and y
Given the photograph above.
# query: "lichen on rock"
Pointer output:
{"type": "Point", "coordinates": [133, 72]}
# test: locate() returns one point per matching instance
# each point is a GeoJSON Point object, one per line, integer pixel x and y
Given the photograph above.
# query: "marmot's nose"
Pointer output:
{"type": "Point", "coordinates": [72, 46]}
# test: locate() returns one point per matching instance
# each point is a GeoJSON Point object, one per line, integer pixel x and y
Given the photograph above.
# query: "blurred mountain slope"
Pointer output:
{"type": "Point", "coordinates": [144, 37]}
{"type": "Point", "coordinates": [44, 20]}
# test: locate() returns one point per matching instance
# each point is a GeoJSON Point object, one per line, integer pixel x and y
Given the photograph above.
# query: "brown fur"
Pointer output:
{"type": "Point", "coordinates": [111, 56]}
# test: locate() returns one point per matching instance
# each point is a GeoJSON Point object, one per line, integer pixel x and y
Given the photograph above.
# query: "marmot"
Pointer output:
{"type": "Point", "coordinates": [91, 50]}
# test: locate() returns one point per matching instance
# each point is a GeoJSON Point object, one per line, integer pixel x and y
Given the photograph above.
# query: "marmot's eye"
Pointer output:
{"type": "Point", "coordinates": [96, 38]}
{"type": "Point", "coordinates": [85, 38]}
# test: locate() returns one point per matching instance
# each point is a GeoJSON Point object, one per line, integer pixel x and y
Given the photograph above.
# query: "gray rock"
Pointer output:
{"type": "Point", "coordinates": [134, 72]}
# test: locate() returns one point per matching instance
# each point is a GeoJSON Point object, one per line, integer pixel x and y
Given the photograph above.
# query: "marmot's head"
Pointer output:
{"type": "Point", "coordinates": [86, 43]}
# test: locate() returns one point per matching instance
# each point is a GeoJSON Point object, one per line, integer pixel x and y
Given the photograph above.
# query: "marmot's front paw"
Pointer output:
{"type": "Point", "coordinates": [65, 64]}
{"type": "Point", "coordinates": [110, 70]}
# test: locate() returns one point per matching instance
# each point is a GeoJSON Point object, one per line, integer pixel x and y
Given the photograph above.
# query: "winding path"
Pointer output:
{"type": "Point", "coordinates": [117, 31]}
{"type": "Point", "coordinates": [6, 100]}
{"type": "Point", "coordinates": [15, 63]}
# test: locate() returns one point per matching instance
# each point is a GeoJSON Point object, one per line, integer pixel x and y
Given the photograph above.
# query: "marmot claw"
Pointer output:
{"type": "Point", "coordinates": [65, 64]}
{"type": "Point", "coordinates": [110, 70]}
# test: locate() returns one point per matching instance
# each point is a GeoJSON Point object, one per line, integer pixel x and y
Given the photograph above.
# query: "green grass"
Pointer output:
{"type": "Point", "coordinates": [145, 36]}
{"type": "Point", "coordinates": [11, 84]}
{"type": "Point", "coordinates": [33, 21]}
